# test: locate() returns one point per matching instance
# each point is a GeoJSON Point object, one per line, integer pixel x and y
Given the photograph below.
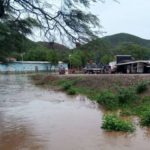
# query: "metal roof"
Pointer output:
{"type": "Point", "coordinates": [134, 62]}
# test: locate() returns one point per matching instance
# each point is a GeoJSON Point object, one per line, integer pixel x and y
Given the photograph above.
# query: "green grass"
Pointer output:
{"type": "Point", "coordinates": [107, 99]}
{"type": "Point", "coordinates": [145, 119]}
{"type": "Point", "coordinates": [66, 86]}
{"type": "Point", "coordinates": [71, 91]}
{"type": "Point", "coordinates": [142, 107]}
{"type": "Point", "coordinates": [70, 87]}
{"type": "Point", "coordinates": [142, 87]}
{"type": "Point", "coordinates": [113, 122]}
{"type": "Point", "coordinates": [126, 95]}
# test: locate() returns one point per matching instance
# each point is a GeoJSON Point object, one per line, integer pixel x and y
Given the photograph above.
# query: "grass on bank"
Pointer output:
{"type": "Point", "coordinates": [145, 119]}
{"type": "Point", "coordinates": [142, 87]}
{"type": "Point", "coordinates": [112, 122]}
{"type": "Point", "coordinates": [130, 100]}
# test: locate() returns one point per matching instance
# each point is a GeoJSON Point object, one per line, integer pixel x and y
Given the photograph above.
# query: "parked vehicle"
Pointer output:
{"type": "Point", "coordinates": [96, 68]}
{"type": "Point", "coordinates": [61, 70]}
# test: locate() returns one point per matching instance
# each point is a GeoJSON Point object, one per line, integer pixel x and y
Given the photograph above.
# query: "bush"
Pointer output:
{"type": "Point", "coordinates": [71, 91]}
{"type": "Point", "coordinates": [66, 86]}
{"type": "Point", "coordinates": [107, 99]}
{"type": "Point", "coordinates": [142, 87]}
{"type": "Point", "coordinates": [126, 96]}
{"type": "Point", "coordinates": [143, 107]}
{"type": "Point", "coordinates": [145, 120]}
{"type": "Point", "coordinates": [114, 123]}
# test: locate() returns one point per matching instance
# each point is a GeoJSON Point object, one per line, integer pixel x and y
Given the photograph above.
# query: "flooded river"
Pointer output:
{"type": "Point", "coordinates": [38, 119]}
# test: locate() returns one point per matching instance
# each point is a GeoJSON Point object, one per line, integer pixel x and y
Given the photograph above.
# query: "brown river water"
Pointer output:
{"type": "Point", "coordinates": [32, 118]}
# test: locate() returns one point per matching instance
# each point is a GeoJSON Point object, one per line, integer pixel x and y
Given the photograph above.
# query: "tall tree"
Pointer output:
{"type": "Point", "coordinates": [69, 17]}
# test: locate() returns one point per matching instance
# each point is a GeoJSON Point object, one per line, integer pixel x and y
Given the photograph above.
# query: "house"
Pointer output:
{"type": "Point", "coordinates": [126, 64]}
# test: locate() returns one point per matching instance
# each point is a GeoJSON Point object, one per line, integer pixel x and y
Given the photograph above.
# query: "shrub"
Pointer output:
{"type": "Point", "coordinates": [141, 87]}
{"type": "Point", "coordinates": [143, 107]}
{"type": "Point", "coordinates": [71, 91]}
{"type": "Point", "coordinates": [145, 120]}
{"type": "Point", "coordinates": [114, 123]}
{"type": "Point", "coordinates": [126, 96]}
{"type": "Point", "coordinates": [107, 99]}
{"type": "Point", "coordinates": [66, 86]}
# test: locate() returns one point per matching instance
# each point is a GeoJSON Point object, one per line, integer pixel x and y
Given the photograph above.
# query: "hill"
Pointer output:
{"type": "Point", "coordinates": [104, 49]}
{"type": "Point", "coordinates": [124, 38]}
{"type": "Point", "coordinates": [53, 45]}
{"type": "Point", "coordinates": [108, 43]}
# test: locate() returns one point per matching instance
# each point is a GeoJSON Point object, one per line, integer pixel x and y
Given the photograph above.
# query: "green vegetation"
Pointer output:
{"type": "Point", "coordinates": [112, 122]}
{"type": "Point", "coordinates": [132, 99]}
{"type": "Point", "coordinates": [13, 35]}
{"type": "Point", "coordinates": [76, 60]}
{"type": "Point", "coordinates": [137, 51]}
{"type": "Point", "coordinates": [145, 120]}
{"type": "Point", "coordinates": [126, 95]}
{"type": "Point", "coordinates": [141, 107]}
{"type": "Point", "coordinates": [71, 91]}
{"type": "Point", "coordinates": [116, 39]}
{"type": "Point", "coordinates": [40, 53]}
{"type": "Point", "coordinates": [142, 87]}
{"type": "Point", "coordinates": [108, 99]}
{"type": "Point", "coordinates": [68, 86]}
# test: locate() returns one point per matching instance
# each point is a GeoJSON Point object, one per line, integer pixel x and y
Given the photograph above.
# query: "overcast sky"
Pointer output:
{"type": "Point", "coordinates": [130, 16]}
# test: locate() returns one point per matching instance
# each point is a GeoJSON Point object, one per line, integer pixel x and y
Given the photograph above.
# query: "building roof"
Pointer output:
{"type": "Point", "coordinates": [134, 62]}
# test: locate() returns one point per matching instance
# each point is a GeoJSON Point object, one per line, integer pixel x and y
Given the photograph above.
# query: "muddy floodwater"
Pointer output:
{"type": "Point", "coordinates": [32, 118]}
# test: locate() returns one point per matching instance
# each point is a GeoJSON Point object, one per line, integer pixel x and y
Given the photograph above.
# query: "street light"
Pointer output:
{"type": "Point", "coordinates": [22, 54]}
{"type": "Point", "coordinates": [70, 61]}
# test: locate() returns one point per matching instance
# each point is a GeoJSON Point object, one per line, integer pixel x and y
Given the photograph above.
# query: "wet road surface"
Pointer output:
{"type": "Point", "coordinates": [32, 118]}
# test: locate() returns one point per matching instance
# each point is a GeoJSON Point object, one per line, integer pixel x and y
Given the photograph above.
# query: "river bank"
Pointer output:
{"type": "Point", "coordinates": [33, 117]}
{"type": "Point", "coordinates": [128, 94]}
{"type": "Point", "coordinates": [92, 82]}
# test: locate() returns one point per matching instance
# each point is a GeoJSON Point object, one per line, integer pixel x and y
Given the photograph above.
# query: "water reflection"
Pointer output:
{"type": "Point", "coordinates": [38, 119]}
{"type": "Point", "coordinates": [19, 139]}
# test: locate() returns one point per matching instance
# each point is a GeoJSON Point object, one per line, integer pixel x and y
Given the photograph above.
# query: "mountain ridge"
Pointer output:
{"type": "Point", "coordinates": [126, 38]}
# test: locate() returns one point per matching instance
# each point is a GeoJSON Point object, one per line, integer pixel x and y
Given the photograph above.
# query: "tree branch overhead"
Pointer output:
{"type": "Point", "coordinates": [66, 18]}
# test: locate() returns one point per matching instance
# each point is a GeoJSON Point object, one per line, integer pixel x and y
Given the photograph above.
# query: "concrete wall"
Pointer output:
{"type": "Point", "coordinates": [26, 66]}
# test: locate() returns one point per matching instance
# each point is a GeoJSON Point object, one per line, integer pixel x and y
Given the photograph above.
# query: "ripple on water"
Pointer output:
{"type": "Point", "coordinates": [32, 118]}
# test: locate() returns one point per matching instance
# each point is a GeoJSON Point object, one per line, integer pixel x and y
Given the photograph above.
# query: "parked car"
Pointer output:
{"type": "Point", "coordinates": [61, 70]}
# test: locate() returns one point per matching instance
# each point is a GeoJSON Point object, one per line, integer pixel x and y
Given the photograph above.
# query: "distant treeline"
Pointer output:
{"type": "Point", "coordinates": [101, 50]}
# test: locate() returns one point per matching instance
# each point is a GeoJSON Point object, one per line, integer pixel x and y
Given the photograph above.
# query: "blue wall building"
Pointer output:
{"type": "Point", "coordinates": [28, 66]}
